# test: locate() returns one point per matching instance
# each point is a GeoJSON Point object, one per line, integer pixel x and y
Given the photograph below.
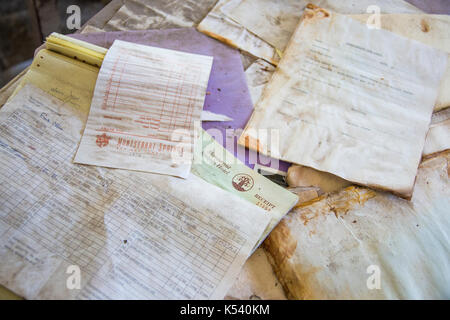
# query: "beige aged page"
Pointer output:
{"type": "Point", "coordinates": [217, 25]}
{"type": "Point", "coordinates": [431, 29]}
{"type": "Point", "coordinates": [257, 281]}
{"type": "Point", "coordinates": [349, 100]}
{"type": "Point", "coordinates": [272, 21]}
{"type": "Point", "coordinates": [262, 28]}
{"type": "Point", "coordinates": [160, 14]}
{"type": "Point", "coordinates": [361, 244]}
{"type": "Point", "coordinates": [258, 75]}
{"type": "Point", "coordinates": [142, 115]}
{"type": "Point", "coordinates": [438, 136]}
{"type": "Point", "coordinates": [127, 234]}
{"type": "Point", "coordinates": [275, 21]}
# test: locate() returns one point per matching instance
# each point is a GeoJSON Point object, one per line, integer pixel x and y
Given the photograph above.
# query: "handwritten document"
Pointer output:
{"type": "Point", "coordinates": [353, 101]}
{"type": "Point", "coordinates": [67, 79]}
{"type": "Point", "coordinates": [142, 115]}
{"type": "Point", "coordinates": [132, 235]}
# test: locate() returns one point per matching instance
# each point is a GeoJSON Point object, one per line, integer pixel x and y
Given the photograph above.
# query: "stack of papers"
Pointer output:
{"type": "Point", "coordinates": [149, 165]}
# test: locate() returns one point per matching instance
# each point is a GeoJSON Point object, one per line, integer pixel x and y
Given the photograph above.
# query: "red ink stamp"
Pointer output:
{"type": "Point", "coordinates": [102, 140]}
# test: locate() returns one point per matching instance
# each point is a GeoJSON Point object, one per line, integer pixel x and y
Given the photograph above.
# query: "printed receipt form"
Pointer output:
{"type": "Point", "coordinates": [142, 114]}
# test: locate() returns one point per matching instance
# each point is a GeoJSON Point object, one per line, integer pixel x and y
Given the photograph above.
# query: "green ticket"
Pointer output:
{"type": "Point", "coordinates": [216, 165]}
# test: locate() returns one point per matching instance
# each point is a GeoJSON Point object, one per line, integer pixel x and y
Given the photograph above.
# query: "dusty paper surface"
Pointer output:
{"type": "Point", "coordinates": [217, 25]}
{"type": "Point", "coordinates": [336, 247]}
{"type": "Point", "coordinates": [67, 79]}
{"type": "Point", "coordinates": [431, 29]}
{"type": "Point", "coordinates": [354, 102]}
{"type": "Point", "coordinates": [159, 14]}
{"type": "Point", "coordinates": [257, 27]}
{"type": "Point", "coordinates": [130, 233]}
{"type": "Point", "coordinates": [142, 115]}
{"type": "Point", "coordinates": [437, 141]}
{"type": "Point", "coordinates": [438, 136]}
{"type": "Point", "coordinates": [258, 75]}
{"type": "Point", "coordinates": [274, 22]}
{"type": "Point", "coordinates": [256, 281]}
{"type": "Point", "coordinates": [216, 165]}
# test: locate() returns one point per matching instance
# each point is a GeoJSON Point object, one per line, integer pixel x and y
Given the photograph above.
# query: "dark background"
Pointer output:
{"type": "Point", "coordinates": [24, 24]}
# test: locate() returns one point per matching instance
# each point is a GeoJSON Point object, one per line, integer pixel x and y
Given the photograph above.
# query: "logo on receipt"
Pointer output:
{"type": "Point", "coordinates": [242, 182]}
{"type": "Point", "coordinates": [102, 140]}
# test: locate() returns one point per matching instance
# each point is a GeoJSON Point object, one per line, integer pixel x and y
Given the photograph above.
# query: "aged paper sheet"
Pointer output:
{"type": "Point", "coordinates": [258, 75]}
{"type": "Point", "coordinates": [160, 14]}
{"type": "Point", "coordinates": [262, 29]}
{"type": "Point", "coordinates": [256, 280]}
{"type": "Point", "coordinates": [355, 102]}
{"type": "Point", "coordinates": [437, 141]}
{"type": "Point", "coordinates": [362, 244]}
{"type": "Point", "coordinates": [217, 25]}
{"type": "Point", "coordinates": [133, 235]}
{"type": "Point", "coordinates": [215, 164]}
{"type": "Point", "coordinates": [430, 29]}
{"type": "Point", "coordinates": [438, 136]}
{"type": "Point", "coordinates": [274, 22]}
{"type": "Point", "coordinates": [142, 114]}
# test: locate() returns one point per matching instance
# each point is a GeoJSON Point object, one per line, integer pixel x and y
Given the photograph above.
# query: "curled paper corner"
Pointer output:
{"type": "Point", "coordinates": [279, 53]}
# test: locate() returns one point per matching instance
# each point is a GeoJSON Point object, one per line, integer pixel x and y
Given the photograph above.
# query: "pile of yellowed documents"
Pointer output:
{"type": "Point", "coordinates": [111, 189]}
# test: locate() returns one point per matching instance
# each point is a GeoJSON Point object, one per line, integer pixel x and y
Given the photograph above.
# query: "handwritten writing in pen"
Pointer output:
{"type": "Point", "coordinates": [45, 117]}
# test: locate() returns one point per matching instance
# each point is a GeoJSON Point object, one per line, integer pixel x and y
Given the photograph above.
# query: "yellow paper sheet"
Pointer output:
{"type": "Point", "coordinates": [67, 79]}
{"type": "Point", "coordinates": [76, 49]}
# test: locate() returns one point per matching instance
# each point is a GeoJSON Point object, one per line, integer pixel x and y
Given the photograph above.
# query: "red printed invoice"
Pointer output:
{"type": "Point", "coordinates": [142, 114]}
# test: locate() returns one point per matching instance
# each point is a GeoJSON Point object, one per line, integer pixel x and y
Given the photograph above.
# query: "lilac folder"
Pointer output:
{"type": "Point", "coordinates": [227, 91]}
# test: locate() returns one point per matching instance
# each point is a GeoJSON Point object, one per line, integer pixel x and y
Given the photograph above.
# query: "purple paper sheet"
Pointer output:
{"type": "Point", "coordinates": [227, 91]}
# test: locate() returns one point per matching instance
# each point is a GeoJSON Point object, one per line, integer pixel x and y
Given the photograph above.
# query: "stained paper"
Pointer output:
{"type": "Point", "coordinates": [355, 102]}
{"type": "Point", "coordinates": [228, 92]}
{"type": "Point", "coordinates": [71, 231]}
{"type": "Point", "coordinates": [362, 244]}
{"type": "Point", "coordinates": [262, 28]}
